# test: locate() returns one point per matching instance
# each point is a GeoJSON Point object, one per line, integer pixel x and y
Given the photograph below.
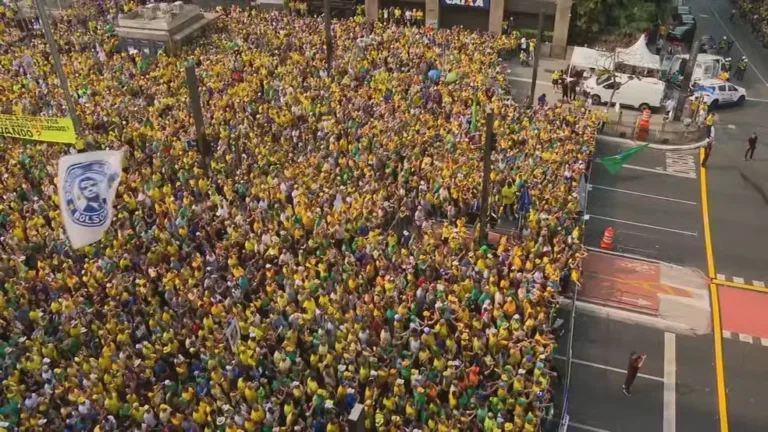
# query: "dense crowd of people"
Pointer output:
{"type": "Point", "coordinates": [325, 257]}
{"type": "Point", "coordinates": [755, 13]}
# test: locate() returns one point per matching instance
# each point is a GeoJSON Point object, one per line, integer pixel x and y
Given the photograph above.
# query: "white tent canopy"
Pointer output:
{"type": "Point", "coordinates": [590, 58]}
{"type": "Point", "coordinates": [638, 55]}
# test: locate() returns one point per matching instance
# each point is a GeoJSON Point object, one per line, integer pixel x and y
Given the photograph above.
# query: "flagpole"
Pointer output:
{"type": "Point", "coordinates": [63, 82]}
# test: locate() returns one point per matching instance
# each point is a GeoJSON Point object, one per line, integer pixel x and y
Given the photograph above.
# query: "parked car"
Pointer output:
{"type": "Point", "coordinates": [677, 11]}
{"type": "Point", "coordinates": [688, 20]}
{"type": "Point", "coordinates": [716, 92]}
{"type": "Point", "coordinates": [630, 91]}
{"type": "Point", "coordinates": [681, 34]}
{"type": "Point", "coordinates": [680, 10]}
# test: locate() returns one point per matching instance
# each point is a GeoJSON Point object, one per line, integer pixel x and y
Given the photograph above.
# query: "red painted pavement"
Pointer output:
{"type": "Point", "coordinates": [744, 312]}
{"type": "Point", "coordinates": [624, 282]}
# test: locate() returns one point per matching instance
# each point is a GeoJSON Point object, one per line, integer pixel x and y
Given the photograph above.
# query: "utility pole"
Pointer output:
{"type": "Point", "coordinates": [63, 82]}
{"type": "Point", "coordinates": [686, 83]}
{"type": "Point", "coordinates": [486, 189]}
{"type": "Point", "coordinates": [328, 41]}
{"type": "Point", "coordinates": [197, 112]}
{"type": "Point", "coordinates": [536, 51]}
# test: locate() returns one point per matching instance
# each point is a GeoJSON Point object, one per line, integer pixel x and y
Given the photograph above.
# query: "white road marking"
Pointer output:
{"type": "Point", "coordinates": [764, 341]}
{"type": "Point", "coordinates": [597, 365]}
{"type": "Point", "coordinates": [704, 16]}
{"type": "Point", "coordinates": [760, 284]}
{"type": "Point", "coordinates": [757, 100]}
{"type": "Point", "coordinates": [681, 163]}
{"type": "Point", "coordinates": [726, 334]}
{"type": "Point", "coordinates": [645, 225]}
{"type": "Point", "coordinates": [730, 126]}
{"type": "Point", "coordinates": [738, 280]}
{"type": "Point", "coordinates": [586, 428]}
{"type": "Point", "coordinates": [735, 42]}
{"type": "Point", "coordinates": [641, 194]}
{"type": "Point", "coordinates": [745, 338]}
{"type": "Point", "coordinates": [528, 80]}
{"type": "Point", "coordinates": [720, 276]}
{"type": "Point", "coordinates": [657, 170]}
{"type": "Point", "coordinates": [670, 370]}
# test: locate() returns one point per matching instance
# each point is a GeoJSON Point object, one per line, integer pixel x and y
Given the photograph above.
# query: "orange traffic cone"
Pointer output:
{"type": "Point", "coordinates": [607, 242]}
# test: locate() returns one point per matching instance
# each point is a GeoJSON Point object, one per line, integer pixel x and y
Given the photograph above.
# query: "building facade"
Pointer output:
{"type": "Point", "coordinates": [488, 15]}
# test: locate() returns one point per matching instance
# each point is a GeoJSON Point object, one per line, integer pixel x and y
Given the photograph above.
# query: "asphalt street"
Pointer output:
{"type": "Point", "coordinates": [738, 201]}
{"type": "Point", "coordinates": [653, 203]}
{"type": "Point", "coordinates": [656, 190]}
{"type": "Point", "coordinates": [601, 350]}
{"type": "Point", "coordinates": [746, 375]}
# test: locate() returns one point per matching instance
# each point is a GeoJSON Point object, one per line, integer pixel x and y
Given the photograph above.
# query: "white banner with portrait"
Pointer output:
{"type": "Point", "coordinates": [87, 188]}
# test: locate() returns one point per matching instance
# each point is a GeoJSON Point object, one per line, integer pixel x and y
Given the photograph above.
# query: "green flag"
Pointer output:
{"type": "Point", "coordinates": [614, 163]}
{"type": "Point", "coordinates": [473, 125]}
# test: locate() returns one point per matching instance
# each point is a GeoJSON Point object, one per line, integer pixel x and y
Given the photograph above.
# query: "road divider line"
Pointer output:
{"type": "Point", "coordinates": [670, 378]}
{"type": "Point", "coordinates": [644, 225]}
{"type": "Point", "coordinates": [742, 52]}
{"type": "Point", "coordinates": [610, 368]}
{"type": "Point", "coordinates": [586, 428]}
{"type": "Point", "coordinates": [659, 171]}
{"type": "Point", "coordinates": [722, 401]}
{"type": "Point", "coordinates": [642, 194]}
{"type": "Point", "coordinates": [740, 285]}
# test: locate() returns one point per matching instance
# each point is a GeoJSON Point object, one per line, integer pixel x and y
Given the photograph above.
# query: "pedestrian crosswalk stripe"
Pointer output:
{"type": "Point", "coordinates": [760, 284]}
{"type": "Point", "coordinates": [721, 276]}
{"type": "Point", "coordinates": [764, 341]}
{"type": "Point", "coordinates": [726, 334]}
{"type": "Point", "coordinates": [738, 280]}
{"type": "Point", "coordinates": [745, 338]}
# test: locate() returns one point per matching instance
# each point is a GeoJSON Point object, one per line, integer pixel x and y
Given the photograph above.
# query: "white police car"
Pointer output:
{"type": "Point", "coordinates": [717, 92]}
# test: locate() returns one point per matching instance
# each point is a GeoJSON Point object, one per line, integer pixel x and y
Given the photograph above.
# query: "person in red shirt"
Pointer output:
{"type": "Point", "coordinates": [635, 363]}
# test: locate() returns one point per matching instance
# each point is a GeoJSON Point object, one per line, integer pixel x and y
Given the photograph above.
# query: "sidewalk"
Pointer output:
{"type": "Point", "coordinates": [619, 125]}
{"type": "Point", "coordinates": [675, 294]}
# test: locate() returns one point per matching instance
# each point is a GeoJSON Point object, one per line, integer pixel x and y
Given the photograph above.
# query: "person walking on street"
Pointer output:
{"type": "Point", "coordinates": [751, 145]}
{"type": "Point", "coordinates": [708, 148]}
{"type": "Point", "coordinates": [670, 107]}
{"type": "Point", "coordinates": [635, 363]}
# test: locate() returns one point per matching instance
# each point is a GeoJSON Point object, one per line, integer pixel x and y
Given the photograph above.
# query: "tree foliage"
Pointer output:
{"type": "Point", "coordinates": [591, 19]}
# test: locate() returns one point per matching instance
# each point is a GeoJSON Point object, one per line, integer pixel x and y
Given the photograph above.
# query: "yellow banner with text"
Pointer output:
{"type": "Point", "coordinates": [52, 129]}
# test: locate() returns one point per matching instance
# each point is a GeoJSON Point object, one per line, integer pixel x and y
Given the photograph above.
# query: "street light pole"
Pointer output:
{"type": "Point", "coordinates": [63, 82]}
{"type": "Point", "coordinates": [197, 113]}
{"type": "Point", "coordinates": [328, 40]}
{"type": "Point", "coordinates": [536, 51]}
{"type": "Point", "coordinates": [687, 77]}
{"type": "Point", "coordinates": [486, 187]}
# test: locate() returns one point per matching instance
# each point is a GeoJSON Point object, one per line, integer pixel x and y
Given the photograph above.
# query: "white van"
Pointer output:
{"type": "Point", "coordinates": [631, 91]}
{"type": "Point", "coordinates": [707, 66]}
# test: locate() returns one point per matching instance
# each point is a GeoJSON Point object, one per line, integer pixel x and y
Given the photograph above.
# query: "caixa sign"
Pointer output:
{"type": "Point", "coordinates": [473, 4]}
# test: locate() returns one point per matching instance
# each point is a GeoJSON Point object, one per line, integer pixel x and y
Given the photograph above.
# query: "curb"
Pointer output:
{"type": "Point", "coordinates": [593, 249]}
{"type": "Point", "coordinates": [629, 142]}
{"type": "Point", "coordinates": [633, 318]}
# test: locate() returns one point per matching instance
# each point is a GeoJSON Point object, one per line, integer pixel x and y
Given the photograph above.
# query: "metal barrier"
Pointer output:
{"type": "Point", "coordinates": [564, 418]}
{"type": "Point", "coordinates": [665, 134]}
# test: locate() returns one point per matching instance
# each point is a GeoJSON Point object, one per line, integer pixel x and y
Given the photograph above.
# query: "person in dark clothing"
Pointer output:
{"type": "Point", "coordinates": [564, 87]}
{"type": "Point", "coordinates": [633, 368]}
{"type": "Point", "coordinates": [751, 146]}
